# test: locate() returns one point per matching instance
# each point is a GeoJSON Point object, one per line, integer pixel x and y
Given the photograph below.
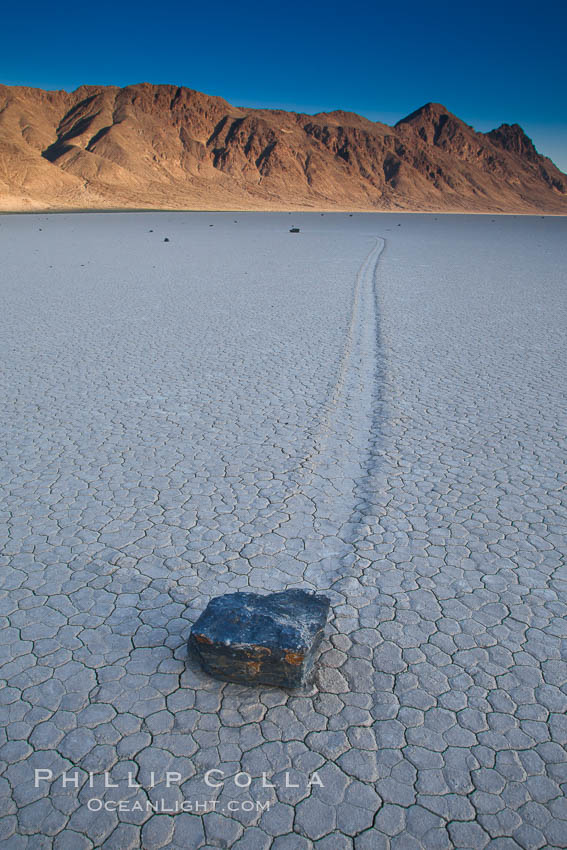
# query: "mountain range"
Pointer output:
{"type": "Point", "coordinates": [167, 147]}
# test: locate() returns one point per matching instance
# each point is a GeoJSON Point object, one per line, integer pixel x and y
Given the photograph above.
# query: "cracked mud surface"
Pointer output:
{"type": "Point", "coordinates": [373, 408]}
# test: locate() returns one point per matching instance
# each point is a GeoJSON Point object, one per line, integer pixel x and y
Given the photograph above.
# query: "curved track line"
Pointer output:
{"type": "Point", "coordinates": [329, 474]}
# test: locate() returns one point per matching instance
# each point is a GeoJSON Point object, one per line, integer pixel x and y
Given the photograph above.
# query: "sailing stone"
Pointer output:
{"type": "Point", "coordinates": [253, 638]}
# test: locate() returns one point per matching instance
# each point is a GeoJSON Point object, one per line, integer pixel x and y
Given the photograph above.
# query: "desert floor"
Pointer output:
{"type": "Point", "coordinates": [373, 408]}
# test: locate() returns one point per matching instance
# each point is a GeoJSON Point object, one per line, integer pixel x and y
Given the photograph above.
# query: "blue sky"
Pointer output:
{"type": "Point", "coordinates": [488, 63]}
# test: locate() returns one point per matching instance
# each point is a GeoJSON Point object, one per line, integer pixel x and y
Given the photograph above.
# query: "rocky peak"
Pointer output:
{"type": "Point", "coordinates": [512, 138]}
{"type": "Point", "coordinates": [429, 112]}
{"type": "Point", "coordinates": [433, 123]}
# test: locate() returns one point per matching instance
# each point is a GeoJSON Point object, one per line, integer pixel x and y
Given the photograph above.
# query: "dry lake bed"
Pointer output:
{"type": "Point", "coordinates": [373, 408]}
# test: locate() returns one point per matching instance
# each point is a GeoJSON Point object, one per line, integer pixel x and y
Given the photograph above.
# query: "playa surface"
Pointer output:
{"type": "Point", "coordinates": [372, 408]}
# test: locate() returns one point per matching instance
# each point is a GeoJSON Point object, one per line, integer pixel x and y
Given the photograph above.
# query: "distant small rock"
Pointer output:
{"type": "Point", "coordinates": [166, 239]}
{"type": "Point", "coordinates": [294, 230]}
{"type": "Point", "coordinates": [269, 639]}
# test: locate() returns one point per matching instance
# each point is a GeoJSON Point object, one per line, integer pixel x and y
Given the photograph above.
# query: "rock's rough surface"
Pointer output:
{"type": "Point", "coordinates": [251, 638]}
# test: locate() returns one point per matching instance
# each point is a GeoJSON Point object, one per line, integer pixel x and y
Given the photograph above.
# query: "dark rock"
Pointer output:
{"type": "Point", "coordinates": [251, 638]}
{"type": "Point", "coordinates": [294, 230]}
{"type": "Point", "coordinates": [166, 239]}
